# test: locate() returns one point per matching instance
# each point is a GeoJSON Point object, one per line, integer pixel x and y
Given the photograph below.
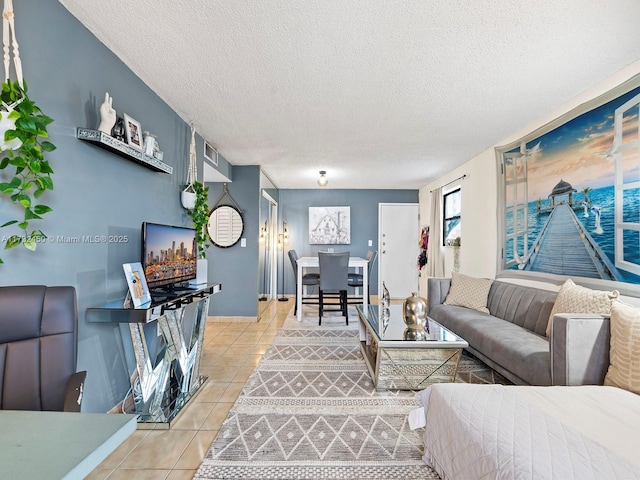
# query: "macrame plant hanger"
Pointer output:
{"type": "Point", "coordinates": [192, 174]}
{"type": "Point", "coordinates": [9, 40]}
{"type": "Point", "coordinates": [9, 28]}
{"type": "Point", "coordinates": [225, 193]}
{"type": "Point", "coordinates": [188, 195]}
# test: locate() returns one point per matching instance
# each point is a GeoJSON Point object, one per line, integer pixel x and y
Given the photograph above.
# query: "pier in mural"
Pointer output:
{"type": "Point", "coordinates": [572, 196]}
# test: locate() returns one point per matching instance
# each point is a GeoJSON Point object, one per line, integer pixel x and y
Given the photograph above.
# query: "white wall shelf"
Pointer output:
{"type": "Point", "coordinates": [107, 142]}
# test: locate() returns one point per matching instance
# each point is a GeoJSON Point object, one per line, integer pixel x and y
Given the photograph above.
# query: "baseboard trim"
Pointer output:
{"type": "Point", "coordinates": [213, 319]}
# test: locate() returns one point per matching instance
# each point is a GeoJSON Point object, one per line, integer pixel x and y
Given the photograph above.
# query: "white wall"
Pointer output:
{"type": "Point", "coordinates": [478, 252]}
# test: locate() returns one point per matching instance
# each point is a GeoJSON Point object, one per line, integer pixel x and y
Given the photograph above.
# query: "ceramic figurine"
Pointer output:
{"type": "Point", "coordinates": [107, 115]}
{"type": "Point", "coordinates": [150, 144]}
{"type": "Point", "coordinates": [386, 301]}
{"type": "Point", "coordinates": [117, 131]}
{"type": "Point", "coordinates": [386, 298]}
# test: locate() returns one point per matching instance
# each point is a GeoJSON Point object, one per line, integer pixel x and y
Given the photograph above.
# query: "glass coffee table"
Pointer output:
{"type": "Point", "coordinates": [399, 358]}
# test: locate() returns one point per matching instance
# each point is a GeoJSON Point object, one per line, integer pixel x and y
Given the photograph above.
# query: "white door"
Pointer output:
{"type": "Point", "coordinates": [398, 237]}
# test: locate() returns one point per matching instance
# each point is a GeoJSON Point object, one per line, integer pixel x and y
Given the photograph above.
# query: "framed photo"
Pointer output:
{"type": "Point", "coordinates": [133, 132]}
{"type": "Point", "coordinates": [137, 284]}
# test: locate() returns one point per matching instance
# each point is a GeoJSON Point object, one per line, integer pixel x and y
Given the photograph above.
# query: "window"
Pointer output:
{"type": "Point", "coordinates": [451, 224]}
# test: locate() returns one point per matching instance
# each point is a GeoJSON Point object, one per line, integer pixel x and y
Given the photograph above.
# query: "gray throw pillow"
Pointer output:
{"type": "Point", "coordinates": [469, 292]}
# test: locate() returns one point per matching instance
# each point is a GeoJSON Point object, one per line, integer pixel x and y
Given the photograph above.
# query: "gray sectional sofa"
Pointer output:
{"type": "Point", "coordinates": [511, 337]}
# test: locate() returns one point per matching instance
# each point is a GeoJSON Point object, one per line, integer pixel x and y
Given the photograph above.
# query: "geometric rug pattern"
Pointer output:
{"type": "Point", "coordinates": [309, 411]}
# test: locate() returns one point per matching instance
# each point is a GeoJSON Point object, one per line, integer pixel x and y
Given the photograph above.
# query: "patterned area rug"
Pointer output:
{"type": "Point", "coordinates": [310, 411]}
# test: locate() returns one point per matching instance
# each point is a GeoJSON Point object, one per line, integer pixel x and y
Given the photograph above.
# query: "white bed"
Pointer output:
{"type": "Point", "coordinates": [514, 432]}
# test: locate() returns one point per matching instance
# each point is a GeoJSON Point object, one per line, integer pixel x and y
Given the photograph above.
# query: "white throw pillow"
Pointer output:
{"type": "Point", "coordinates": [573, 298]}
{"type": "Point", "coordinates": [624, 353]}
{"type": "Point", "coordinates": [468, 292]}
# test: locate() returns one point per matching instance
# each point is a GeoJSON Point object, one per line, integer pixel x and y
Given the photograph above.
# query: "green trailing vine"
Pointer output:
{"type": "Point", "coordinates": [200, 215]}
{"type": "Point", "coordinates": [28, 172]}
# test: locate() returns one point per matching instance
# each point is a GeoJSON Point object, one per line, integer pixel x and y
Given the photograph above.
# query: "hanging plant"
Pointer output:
{"type": "Point", "coordinates": [24, 125]}
{"type": "Point", "coordinates": [188, 197]}
{"type": "Point", "coordinates": [200, 215]}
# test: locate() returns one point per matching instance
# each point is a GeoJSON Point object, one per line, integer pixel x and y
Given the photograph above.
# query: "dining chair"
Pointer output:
{"type": "Point", "coordinates": [334, 278]}
{"type": "Point", "coordinates": [311, 279]}
{"type": "Point", "coordinates": [356, 279]}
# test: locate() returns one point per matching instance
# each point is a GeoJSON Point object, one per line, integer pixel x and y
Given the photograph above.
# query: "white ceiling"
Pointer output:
{"type": "Point", "coordinates": [380, 93]}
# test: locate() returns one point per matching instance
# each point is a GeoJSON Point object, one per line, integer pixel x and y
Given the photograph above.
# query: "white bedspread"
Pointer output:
{"type": "Point", "coordinates": [494, 431]}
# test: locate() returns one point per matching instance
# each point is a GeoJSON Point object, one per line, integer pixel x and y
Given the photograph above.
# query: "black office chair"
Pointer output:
{"type": "Point", "coordinates": [334, 277]}
{"type": "Point", "coordinates": [38, 349]}
{"type": "Point", "coordinates": [356, 280]}
{"type": "Point", "coordinates": [308, 280]}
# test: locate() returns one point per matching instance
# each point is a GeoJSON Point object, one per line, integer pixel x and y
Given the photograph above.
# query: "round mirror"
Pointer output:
{"type": "Point", "coordinates": [225, 226]}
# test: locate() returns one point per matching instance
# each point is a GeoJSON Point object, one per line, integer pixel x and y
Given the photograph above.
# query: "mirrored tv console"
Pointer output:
{"type": "Point", "coordinates": [163, 344]}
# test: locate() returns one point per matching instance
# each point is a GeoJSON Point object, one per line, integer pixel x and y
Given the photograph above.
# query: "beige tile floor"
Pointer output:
{"type": "Point", "coordinates": [231, 352]}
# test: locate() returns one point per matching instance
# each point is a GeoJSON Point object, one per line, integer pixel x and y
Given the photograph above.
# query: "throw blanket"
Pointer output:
{"type": "Point", "coordinates": [493, 431]}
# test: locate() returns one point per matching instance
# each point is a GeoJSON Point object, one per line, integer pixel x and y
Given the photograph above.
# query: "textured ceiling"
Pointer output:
{"type": "Point", "coordinates": [379, 93]}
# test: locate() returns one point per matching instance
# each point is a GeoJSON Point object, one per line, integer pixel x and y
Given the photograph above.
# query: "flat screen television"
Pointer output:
{"type": "Point", "coordinates": [168, 255]}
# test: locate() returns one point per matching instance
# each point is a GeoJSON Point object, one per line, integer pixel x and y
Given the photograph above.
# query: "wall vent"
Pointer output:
{"type": "Point", "coordinates": [210, 153]}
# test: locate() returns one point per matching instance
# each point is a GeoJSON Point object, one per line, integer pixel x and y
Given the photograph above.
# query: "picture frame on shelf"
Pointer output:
{"type": "Point", "coordinates": [133, 132]}
{"type": "Point", "coordinates": [138, 288]}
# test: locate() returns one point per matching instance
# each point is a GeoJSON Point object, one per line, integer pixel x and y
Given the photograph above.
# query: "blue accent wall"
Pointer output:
{"type": "Point", "coordinates": [294, 209]}
{"type": "Point", "coordinates": [97, 194]}
{"type": "Point", "coordinates": [237, 267]}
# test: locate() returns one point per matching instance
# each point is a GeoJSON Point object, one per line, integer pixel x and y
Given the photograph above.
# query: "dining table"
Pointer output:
{"type": "Point", "coordinates": [360, 264]}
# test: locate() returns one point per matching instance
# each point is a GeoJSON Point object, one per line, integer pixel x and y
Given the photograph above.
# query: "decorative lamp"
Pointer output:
{"type": "Point", "coordinates": [263, 240]}
{"type": "Point", "coordinates": [283, 239]}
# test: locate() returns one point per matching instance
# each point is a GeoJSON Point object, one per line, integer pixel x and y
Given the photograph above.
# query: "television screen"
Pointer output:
{"type": "Point", "coordinates": [168, 254]}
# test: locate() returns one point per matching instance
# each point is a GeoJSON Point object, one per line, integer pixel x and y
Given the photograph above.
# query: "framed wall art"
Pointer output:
{"type": "Point", "coordinates": [329, 225]}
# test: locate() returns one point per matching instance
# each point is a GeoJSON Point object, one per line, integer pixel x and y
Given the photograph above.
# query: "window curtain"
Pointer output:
{"type": "Point", "coordinates": [435, 263]}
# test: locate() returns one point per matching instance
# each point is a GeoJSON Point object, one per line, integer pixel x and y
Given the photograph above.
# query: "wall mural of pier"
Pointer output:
{"type": "Point", "coordinates": [572, 196]}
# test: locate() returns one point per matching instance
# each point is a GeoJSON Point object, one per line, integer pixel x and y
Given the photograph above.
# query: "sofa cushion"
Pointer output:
{"type": "Point", "coordinates": [624, 368]}
{"type": "Point", "coordinates": [573, 298]}
{"type": "Point", "coordinates": [469, 292]}
{"type": "Point", "coordinates": [527, 307]}
{"type": "Point", "coordinates": [514, 348]}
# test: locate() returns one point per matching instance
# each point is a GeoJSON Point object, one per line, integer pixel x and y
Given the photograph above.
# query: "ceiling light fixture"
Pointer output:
{"type": "Point", "coordinates": [322, 181]}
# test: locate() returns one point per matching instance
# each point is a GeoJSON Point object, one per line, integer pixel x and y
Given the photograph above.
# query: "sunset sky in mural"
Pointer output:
{"type": "Point", "coordinates": [575, 151]}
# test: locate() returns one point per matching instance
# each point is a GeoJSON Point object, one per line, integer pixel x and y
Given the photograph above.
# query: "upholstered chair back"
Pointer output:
{"type": "Point", "coordinates": [38, 342]}
{"type": "Point", "coordinates": [334, 271]}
